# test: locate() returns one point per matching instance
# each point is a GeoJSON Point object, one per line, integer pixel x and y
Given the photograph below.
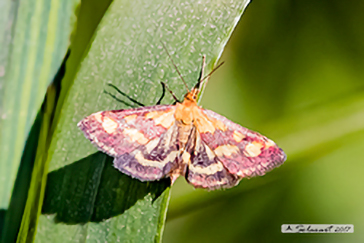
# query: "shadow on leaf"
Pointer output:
{"type": "Point", "coordinates": [92, 190]}
{"type": "Point", "coordinates": [2, 218]}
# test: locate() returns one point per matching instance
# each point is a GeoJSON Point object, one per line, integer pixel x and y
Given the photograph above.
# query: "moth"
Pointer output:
{"type": "Point", "coordinates": [155, 142]}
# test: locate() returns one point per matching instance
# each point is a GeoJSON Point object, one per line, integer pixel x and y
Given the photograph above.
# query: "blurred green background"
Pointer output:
{"type": "Point", "coordinates": [293, 72]}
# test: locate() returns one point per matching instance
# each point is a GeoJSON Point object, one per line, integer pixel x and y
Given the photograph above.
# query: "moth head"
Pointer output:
{"type": "Point", "coordinates": [192, 95]}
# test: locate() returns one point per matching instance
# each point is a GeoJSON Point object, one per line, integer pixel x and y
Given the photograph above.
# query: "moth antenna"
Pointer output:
{"type": "Point", "coordinates": [123, 94]}
{"type": "Point", "coordinates": [198, 85]}
{"type": "Point", "coordinates": [175, 66]}
{"type": "Point", "coordinates": [118, 100]}
{"type": "Point", "coordinates": [163, 92]}
{"type": "Point", "coordinates": [170, 91]}
{"type": "Point", "coordinates": [213, 70]}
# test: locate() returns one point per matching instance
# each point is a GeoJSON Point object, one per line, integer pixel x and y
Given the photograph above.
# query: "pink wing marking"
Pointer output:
{"type": "Point", "coordinates": [111, 131]}
{"type": "Point", "coordinates": [255, 154]}
{"type": "Point", "coordinates": [206, 171]}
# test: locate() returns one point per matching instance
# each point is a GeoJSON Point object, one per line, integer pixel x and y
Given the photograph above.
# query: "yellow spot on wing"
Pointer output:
{"type": "Point", "coordinates": [98, 116]}
{"type": "Point", "coordinates": [130, 118]}
{"type": "Point", "coordinates": [219, 124]}
{"type": "Point", "coordinates": [226, 150]}
{"type": "Point", "coordinates": [269, 143]}
{"type": "Point", "coordinates": [151, 145]}
{"type": "Point", "coordinates": [238, 136]}
{"type": "Point", "coordinates": [163, 118]}
{"type": "Point", "coordinates": [245, 172]}
{"type": "Point", "coordinates": [253, 149]}
{"type": "Point", "coordinates": [152, 114]}
{"type": "Point", "coordinates": [186, 157]}
{"type": "Point", "coordinates": [209, 153]}
{"type": "Point", "coordinates": [135, 135]}
{"type": "Point", "coordinates": [153, 163]}
{"type": "Point", "coordinates": [108, 124]}
{"type": "Point", "coordinates": [166, 119]}
{"type": "Point", "coordinates": [164, 142]}
{"type": "Point", "coordinates": [206, 124]}
{"type": "Point", "coordinates": [208, 170]}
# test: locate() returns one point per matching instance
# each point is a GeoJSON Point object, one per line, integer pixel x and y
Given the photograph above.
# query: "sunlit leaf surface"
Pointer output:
{"type": "Point", "coordinates": [34, 40]}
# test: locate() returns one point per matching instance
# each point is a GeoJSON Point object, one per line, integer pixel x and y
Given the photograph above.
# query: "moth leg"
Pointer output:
{"type": "Point", "coordinates": [163, 93]}
{"type": "Point", "coordinates": [123, 94]}
{"type": "Point", "coordinates": [119, 100]}
{"type": "Point", "coordinates": [170, 91]}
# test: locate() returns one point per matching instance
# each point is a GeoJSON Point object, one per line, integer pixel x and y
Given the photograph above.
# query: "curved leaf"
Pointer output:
{"type": "Point", "coordinates": [85, 198]}
{"type": "Point", "coordinates": [34, 39]}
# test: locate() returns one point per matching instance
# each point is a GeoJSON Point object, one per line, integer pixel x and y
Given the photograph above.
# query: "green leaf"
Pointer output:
{"type": "Point", "coordinates": [35, 152]}
{"type": "Point", "coordinates": [85, 198]}
{"type": "Point", "coordinates": [34, 39]}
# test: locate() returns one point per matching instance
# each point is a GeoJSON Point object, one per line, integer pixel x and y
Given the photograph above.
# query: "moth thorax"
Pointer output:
{"type": "Point", "coordinates": [184, 113]}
